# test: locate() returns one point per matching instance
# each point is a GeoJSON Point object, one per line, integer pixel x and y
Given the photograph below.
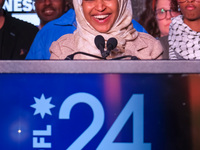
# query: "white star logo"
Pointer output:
{"type": "Point", "coordinates": [42, 106]}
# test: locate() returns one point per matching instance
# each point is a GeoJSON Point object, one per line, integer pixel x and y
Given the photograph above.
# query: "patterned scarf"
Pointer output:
{"type": "Point", "coordinates": [184, 43]}
{"type": "Point", "coordinates": [122, 30]}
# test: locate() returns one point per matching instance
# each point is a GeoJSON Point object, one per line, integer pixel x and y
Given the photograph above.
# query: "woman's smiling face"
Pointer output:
{"type": "Point", "coordinates": [101, 14]}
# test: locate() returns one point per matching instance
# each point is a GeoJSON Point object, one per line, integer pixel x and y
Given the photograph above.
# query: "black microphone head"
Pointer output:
{"type": "Point", "coordinates": [111, 44]}
{"type": "Point", "coordinates": [99, 42]}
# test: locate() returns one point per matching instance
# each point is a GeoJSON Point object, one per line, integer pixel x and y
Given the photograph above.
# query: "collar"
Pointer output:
{"type": "Point", "coordinates": [69, 18]}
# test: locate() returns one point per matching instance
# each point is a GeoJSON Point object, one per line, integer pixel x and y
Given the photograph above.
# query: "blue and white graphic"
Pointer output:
{"type": "Point", "coordinates": [134, 106]}
{"type": "Point", "coordinates": [42, 106]}
{"type": "Point", "coordinates": [99, 112]}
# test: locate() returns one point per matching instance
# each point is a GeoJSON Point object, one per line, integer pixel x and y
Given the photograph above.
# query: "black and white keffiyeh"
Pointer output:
{"type": "Point", "coordinates": [184, 43]}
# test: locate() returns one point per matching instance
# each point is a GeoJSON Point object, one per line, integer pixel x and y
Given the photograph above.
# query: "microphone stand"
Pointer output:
{"type": "Point", "coordinates": [126, 56]}
{"type": "Point", "coordinates": [71, 57]}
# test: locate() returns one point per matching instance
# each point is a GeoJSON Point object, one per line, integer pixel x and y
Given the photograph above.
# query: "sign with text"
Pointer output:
{"type": "Point", "coordinates": [95, 111]}
{"type": "Point", "coordinates": [19, 5]}
{"type": "Point", "coordinates": [22, 9]}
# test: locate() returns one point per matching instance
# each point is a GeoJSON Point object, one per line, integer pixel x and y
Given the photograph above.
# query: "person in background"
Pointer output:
{"type": "Point", "coordinates": [16, 36]}
{"type": "Point", "coordinates": [157, 17]}
{"type": "Point", "coordinates": [48, 10]}
{"type": "Point", "coordinates": [53, 30]}
{"type": "Point", "coordinates": [184, 33]}
{"type": "Point", "coordinates": [111, 18]}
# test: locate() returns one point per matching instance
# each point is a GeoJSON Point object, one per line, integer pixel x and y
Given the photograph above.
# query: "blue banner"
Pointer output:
{"type": "Point", "coordinates": [94, 111]}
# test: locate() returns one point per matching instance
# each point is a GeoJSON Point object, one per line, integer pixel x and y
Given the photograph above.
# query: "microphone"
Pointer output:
{"type": "Point", "coordinates": [100, 44]}
{"type": "Point", "coordinates": [71, 57]}
{"type": "Point", "coordinates": [111, 44]}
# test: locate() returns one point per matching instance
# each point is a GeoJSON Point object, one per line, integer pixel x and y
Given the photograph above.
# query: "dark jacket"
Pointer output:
{"type": "Point", "coordinates": [17, 38]}
{"type": "Point", "coordinates": [165, 44]}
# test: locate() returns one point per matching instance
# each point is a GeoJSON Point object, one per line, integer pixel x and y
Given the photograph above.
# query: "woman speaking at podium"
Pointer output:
{"type": "Point", "coordinates": [98, 21]}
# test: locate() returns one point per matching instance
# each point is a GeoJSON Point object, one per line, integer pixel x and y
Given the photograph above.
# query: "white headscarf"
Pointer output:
{"type": "Point", "coordinates": [122, 29]}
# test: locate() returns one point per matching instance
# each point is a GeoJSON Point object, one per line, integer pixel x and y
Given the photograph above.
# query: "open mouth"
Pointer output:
{"type": "Point", "coordinates": [101, 17]}
{"type": "Point", "coordinates": [48, 11]}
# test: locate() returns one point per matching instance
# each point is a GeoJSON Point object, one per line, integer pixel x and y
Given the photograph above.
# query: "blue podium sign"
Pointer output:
{"type": "Point", "coordinates": [88, 111]}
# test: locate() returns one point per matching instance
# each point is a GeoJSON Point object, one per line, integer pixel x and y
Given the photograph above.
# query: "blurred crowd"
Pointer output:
{"type": "Point", "coordinates": [100, 29]}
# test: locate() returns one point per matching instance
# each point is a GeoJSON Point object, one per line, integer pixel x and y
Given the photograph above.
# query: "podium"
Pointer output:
{"type": "Point", "coordinates": [88, 105]}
